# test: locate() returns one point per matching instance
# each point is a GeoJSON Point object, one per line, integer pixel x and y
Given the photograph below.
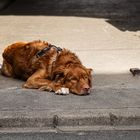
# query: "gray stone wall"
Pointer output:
{"type": "Point", "coordinates": [98, 8]}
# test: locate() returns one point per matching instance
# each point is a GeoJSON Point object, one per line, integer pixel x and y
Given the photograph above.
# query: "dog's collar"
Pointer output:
{"type": "Point", "coordinates": [46, 49]}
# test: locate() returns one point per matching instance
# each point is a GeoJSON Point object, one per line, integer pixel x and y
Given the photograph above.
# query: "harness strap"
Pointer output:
{"type": "Point", "coordinates": [46, 49]}
{"type": "Point", "coordinates": [43, 52]}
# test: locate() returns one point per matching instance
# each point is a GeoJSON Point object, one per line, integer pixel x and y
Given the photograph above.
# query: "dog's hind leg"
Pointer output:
{"type": "Point", "coordinates": [6, 69]}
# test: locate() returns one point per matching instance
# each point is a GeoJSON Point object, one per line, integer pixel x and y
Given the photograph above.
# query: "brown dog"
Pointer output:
{"type": "Point", "coordinates": [46, 67]}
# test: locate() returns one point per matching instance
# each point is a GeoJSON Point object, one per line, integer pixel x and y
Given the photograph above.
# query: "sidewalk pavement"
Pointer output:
{"type": "Point", "coordinates": [115, 97]}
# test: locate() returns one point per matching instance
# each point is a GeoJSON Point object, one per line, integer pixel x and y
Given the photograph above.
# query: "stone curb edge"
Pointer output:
{"type": "Point", "coordinates": [71, 118]}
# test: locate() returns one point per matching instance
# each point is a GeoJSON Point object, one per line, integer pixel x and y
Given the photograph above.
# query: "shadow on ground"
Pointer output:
{"type": "Point", "coordinates": [100, 81]}
{"type": "Point", "coordinates": [123, 14]}
{"type": "Point", "coordinates": [109, 91]}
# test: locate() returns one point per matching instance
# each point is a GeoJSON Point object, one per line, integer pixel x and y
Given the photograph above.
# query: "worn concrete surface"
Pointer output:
{"type": "Point", "coordinates": [115, 97]}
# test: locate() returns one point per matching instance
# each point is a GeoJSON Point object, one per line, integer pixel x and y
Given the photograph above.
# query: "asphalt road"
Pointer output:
{"type": "Point", "coordinates": [97, 135]}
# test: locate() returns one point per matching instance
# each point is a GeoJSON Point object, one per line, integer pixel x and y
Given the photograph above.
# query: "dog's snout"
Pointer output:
{"type": "Point", "coordinates": [85, 90]}
{"type": "Point", "coordinates": [86, 87]}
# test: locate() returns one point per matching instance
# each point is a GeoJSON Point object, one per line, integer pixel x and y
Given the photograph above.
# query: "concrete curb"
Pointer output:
{"type": "Point", "coordinates": [72, 118]}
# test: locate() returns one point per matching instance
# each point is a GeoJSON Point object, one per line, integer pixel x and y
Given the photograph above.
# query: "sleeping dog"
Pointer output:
{"type": "Point", "coordinates": [46, 67]}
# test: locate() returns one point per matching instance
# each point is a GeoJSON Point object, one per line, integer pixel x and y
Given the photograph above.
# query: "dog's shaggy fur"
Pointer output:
{"type": "Point", "coordinates": [59, 72]}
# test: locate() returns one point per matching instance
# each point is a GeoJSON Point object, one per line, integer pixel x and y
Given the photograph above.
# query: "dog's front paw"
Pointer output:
{"type": "Point", "coordinates": [62, 91]}
{"type": "Point", "coordinates": [46, 88]}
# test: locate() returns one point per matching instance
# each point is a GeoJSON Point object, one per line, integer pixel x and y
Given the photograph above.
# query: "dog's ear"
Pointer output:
{"type": "Point", "coordinates": [90, 71]}
{"type": "Point", "coordinates": [58, 73]}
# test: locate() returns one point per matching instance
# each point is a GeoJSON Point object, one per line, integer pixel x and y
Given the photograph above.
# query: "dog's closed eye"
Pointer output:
{"type": "Point", "coordinates": [73, 79]}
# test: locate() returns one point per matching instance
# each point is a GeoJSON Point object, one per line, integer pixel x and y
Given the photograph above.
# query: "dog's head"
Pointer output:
{"type": "Point", "coordinates": [78, 79]}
